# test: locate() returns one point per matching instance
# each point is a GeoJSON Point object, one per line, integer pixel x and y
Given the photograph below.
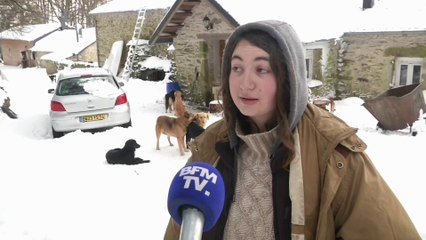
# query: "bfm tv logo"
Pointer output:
{"type": "Point", "coordinates": [200, 176]}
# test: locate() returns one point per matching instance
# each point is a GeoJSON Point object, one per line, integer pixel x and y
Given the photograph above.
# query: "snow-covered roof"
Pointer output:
{"type": "Point", "coordinates": [312, 19]}
{"type": "Point", "coordinates": [65, 42]}
{"type": "Point", "coordinates": [131, 5]}
{"type": "Point", "coordinates": [29, 32]}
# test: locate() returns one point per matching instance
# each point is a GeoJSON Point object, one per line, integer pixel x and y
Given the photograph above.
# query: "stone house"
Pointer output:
{"type": "Point", "coordinates": [198, 30]}
{"type": "Point", "coordinates": [117, 24]}
{"type": "Point", "coordinates": [51, 50]}
{"type": "Point", "coordinates": [366, 64]}
{"type": "Point", "coordinates": [15, 43]}
{"type": "Point", "coordinates": [362, 64]}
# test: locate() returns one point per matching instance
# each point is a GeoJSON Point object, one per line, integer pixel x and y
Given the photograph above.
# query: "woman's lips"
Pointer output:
{"type": "Point", "coordinates": [248, 100]}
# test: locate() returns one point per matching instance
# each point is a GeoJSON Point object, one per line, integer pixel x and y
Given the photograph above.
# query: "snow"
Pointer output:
{"type": "Point", "coordinates": [60, 189]}
{"type": "Point", "coordinates": [131, 5]}
{"type": "Point", "coordinates": [312, 19]}
{"type": "Point", "coordinates": [29, 32]}
{"type": "Point", "coordinates": [154, 62]}
{"type": "Point", "coordinates": [54, 42]}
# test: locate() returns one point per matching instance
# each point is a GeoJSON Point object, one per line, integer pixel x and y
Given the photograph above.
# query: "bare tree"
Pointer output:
{"type": "Point", "coordinates": [18, 13]}
{"type": "Point", "coordinates": [23, 12]}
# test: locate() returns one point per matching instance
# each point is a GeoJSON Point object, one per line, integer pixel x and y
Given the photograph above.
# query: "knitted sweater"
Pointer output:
{"type": "Point", "coordinates": [251, 214]}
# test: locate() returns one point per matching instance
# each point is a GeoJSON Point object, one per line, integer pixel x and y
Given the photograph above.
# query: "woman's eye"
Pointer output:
{"type": "Point", "coordinates": [236, 69]}
{"type": "Point", "coordinates": [263, 70]}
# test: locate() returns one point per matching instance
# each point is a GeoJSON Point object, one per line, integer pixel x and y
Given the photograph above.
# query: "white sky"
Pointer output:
{"type": "Point", "coordinates": [63, 189]}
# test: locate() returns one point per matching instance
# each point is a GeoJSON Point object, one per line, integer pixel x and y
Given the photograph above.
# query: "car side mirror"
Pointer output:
{"type": "Point", "coordinates": [51, 91]}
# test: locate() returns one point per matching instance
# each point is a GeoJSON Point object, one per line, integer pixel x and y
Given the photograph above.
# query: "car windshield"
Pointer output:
{"type": "Point", "coordinates": [86, 85]}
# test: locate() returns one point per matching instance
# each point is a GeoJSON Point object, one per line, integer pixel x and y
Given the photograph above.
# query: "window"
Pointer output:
{"type": "Point", "coordinates": [309, 59]}
{"type": "Point", "coordinates": [308, 73]}
{"type": "Point", "coordinates": [403, 75]}
{"type": "Point", "coordinates": [417, 69]}
{"type": "Point", "coordinates": [408, 71]}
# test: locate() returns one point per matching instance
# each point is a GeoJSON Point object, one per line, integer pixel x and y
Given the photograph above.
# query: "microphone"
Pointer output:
{"type": "Point", "coordinates": [196, 198]}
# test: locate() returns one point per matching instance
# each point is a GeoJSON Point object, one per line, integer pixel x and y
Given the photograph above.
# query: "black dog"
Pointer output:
{"type": "Point", "coordinates": [125, 155]}
{"type": "Point", "coordinates": [192, 131]}
{"type": "Point", "coordinates": [169, 99]}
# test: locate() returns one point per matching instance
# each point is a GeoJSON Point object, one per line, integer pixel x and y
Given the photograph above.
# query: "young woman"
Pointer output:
{"type": "Point", "coordinates": [291, 169]}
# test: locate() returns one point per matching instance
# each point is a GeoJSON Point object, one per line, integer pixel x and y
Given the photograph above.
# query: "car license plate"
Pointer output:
{"type": "Point", "coordinates": [91, 118]}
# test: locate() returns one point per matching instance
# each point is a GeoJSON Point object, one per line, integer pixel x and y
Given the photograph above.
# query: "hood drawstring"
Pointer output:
{"type": "Point", "coordinates": [235, 177]}
{"type": "Point", "coordinates": [233, 143]}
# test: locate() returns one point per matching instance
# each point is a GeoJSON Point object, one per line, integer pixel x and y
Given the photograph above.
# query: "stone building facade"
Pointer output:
{"type": "Point", "coordinates": [15, 43]}
{"type": "Point", "coordinates": [370, 63]}
{"type": "Point", "coordinates": [198, 53]}
{"type": "Point", "coordinates": [362, 64]}
{"type": "Point", "coordinates": [13, 51]}
{"type": "Point", "coordinates": [87, 55]}
{"type": "Point", "coordinates": [115, 26]}
{"type": "Point", "coordinates": [366, 64]}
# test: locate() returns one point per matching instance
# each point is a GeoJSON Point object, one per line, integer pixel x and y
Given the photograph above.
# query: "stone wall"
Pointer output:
{"type": "Point", "coordinates": [112, 27]}
{"type": "Point", "coordinates": [368, 67]}
{"type": "Point", "coordinates": [11, 50]}
{"type": "Point", "coordinates": [197, 55]}
{"type": "Point", "coordinates": [87, 55]}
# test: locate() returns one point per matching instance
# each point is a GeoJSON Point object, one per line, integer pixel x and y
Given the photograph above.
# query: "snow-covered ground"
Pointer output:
{"type": "Point", "coordinates": [60, 189]}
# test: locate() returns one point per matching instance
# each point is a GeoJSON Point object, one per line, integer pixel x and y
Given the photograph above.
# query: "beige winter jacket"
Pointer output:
{"type": "Point", "coordinates": [335, 190]}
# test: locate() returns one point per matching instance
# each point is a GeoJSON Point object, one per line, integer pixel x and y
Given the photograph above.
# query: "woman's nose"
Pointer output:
{"type": "Point", "coordinates": [246, 82]}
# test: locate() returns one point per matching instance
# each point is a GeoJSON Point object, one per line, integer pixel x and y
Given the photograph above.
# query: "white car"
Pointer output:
{"type": "Point", "coordinates": [87, 99]}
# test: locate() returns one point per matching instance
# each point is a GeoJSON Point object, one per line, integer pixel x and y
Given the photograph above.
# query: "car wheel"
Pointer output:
{"type": "Point", "coordinates": [57, 134]}
{"type": "Point", "coordinates": [126, 125]}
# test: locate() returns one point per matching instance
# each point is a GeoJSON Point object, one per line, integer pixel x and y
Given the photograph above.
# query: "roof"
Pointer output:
{"type": "Point", "coordinates": [312, 19]}
{"type": "Point", "coordinates": [55, 42]}
{"type": "Point", "coordinates": [130, 6]}
{"type": "Point", "coordinates": [30, 32]}
{"type": "Point", "coordinates": [365, 32]}
{"type": "Point", "coordinates": [175, 18]}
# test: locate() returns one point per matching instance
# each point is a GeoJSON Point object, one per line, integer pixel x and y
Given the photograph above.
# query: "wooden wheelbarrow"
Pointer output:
{"type": "Point", "coordinates": [397, 108]}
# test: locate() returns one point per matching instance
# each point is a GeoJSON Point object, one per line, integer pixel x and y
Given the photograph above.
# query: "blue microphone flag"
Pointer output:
{"type": "Point", "coordinates": [197, 185]}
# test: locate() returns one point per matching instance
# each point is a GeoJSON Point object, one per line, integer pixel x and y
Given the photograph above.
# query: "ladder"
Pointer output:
{"type": "Point", "coordinates": [128, 67]}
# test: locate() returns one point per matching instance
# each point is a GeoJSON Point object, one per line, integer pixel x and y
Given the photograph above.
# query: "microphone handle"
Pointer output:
{"type": "Point", "coordinates": [192, 224]}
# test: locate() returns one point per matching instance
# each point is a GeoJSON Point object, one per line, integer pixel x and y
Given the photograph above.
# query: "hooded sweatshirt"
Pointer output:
{"type": "Point", "coordinates": [292, 51]}
{"type": "Point", "coordinates": [294, 58]}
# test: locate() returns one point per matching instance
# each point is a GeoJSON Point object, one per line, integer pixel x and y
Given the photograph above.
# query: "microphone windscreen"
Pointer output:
{"type": "Point", "coordinates": [197, 185]}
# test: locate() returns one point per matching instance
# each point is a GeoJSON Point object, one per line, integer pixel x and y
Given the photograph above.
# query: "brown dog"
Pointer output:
{"type": "Point", "coordinates": [179, 104]}
{"type": "Point", "coordinates": [173, 127]}
{"type": "Point", "coordinates": [201, 118]}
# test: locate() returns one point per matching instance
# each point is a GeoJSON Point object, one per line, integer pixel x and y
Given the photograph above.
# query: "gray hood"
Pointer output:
{"type": "Point", "coordinates": [294, 51]}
